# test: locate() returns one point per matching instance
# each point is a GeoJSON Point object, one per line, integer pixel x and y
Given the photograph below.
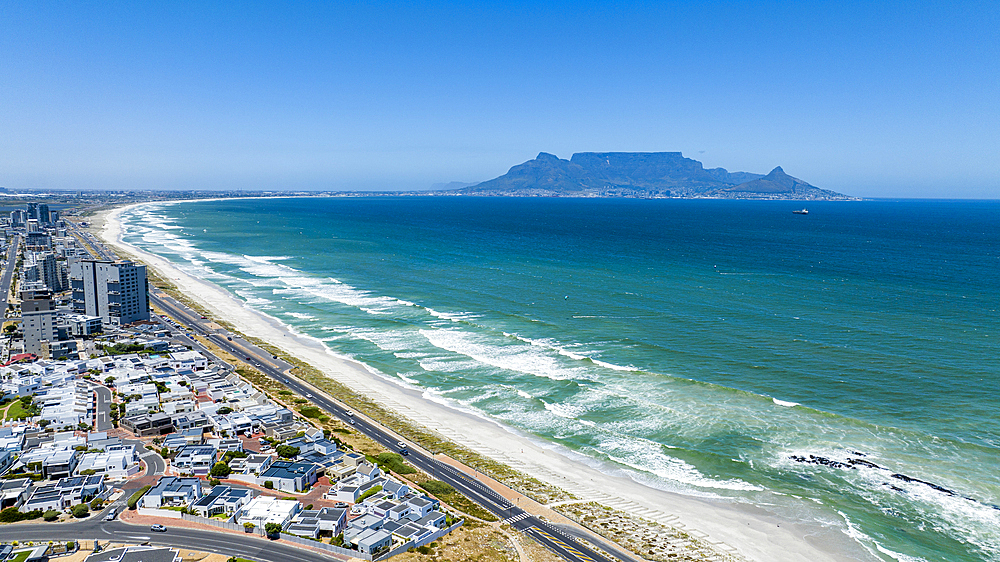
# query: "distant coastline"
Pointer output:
{"type": "Point", "coordinates": [724, 522]}
{"type": "Point", "coordinates": [643, 175]}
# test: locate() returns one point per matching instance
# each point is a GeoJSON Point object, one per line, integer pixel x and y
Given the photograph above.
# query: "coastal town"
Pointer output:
{"type": "Point", "coordinates": [126, 407]}
{"type": "Point", "coordinates": [110, 413]}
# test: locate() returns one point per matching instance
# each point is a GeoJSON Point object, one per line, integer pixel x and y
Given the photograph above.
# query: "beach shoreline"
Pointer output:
{"type": "Point", "coordinates": [751, 531]}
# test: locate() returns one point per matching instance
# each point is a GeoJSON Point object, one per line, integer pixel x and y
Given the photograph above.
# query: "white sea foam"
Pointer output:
{"type": "Point", "coordinates": [566, 352]}
{"type": "Point", "coordinates": [784, 403]}
{"type": "Point", "coordinates": [569, 411]}
{"type": "Point", "coordinates": [645, 455]}
{"type": "Point", "coordinates": [519, 358]}
{"type": "Point", "coordinates": [867, 542]}
{"type": "Point", "coordinates": [451, 316]}
{"type": "Point", "coordinates": [301, 315]}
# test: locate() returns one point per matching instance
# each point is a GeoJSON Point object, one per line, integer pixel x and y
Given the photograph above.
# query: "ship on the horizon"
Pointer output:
{"type": "Point", "coordinates": [801, 211]}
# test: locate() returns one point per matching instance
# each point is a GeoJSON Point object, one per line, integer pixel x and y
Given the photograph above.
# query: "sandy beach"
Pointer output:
{"type": "Point", "coordinates": [743, 529]}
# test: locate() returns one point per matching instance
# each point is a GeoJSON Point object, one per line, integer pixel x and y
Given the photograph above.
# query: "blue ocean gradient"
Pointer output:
{"type": "Point", "coordinates": [707, 347]}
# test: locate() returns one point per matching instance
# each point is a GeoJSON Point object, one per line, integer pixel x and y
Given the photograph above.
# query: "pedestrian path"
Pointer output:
{"type": "Point", "coordinates": [516, 518]}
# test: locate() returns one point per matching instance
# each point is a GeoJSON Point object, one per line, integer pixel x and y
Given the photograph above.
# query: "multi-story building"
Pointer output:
{"type": "Point", "coordinates": [43, 266]}
{"type": "Point", "coordinates": [39, 324]}
{"type": "Point", "coordinates": [115, 291]}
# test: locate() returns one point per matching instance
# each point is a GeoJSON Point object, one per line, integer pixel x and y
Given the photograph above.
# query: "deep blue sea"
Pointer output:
{"type": "Point", "coordinates": [710, 347]}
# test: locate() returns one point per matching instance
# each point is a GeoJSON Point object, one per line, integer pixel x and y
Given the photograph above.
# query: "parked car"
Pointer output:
{"type": "Point", "coordinates": [158, 528]}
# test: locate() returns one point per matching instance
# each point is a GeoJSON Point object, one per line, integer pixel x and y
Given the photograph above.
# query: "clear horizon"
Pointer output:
{"type": "Point", "coordinates": [885, 100]}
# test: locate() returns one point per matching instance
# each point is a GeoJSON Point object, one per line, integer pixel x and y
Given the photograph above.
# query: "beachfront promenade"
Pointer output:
{"type": "Point", "coordinates": [547, 534]}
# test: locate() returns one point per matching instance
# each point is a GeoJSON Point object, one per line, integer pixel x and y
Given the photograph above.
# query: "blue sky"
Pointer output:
{"type": "Point", "coordinates": [872, 99]}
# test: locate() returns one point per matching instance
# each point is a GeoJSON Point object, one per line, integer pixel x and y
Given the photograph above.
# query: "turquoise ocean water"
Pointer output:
{"type": "Point", "coordinates": [840, 367]}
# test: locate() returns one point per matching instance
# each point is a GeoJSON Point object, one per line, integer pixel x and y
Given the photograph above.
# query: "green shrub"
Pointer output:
{"type": "Point", "coordinates": [50, 515]}
{"type": "Point", "coordinates": [369, 493]}
{"type": "Point", "coordinates": [221, 470]}
{"type": "Point", "coordinates": [12, 515]}
{"type": "Point", "coordinates": [269, 484]}
{"type": "Point", "coordinates": [437, 487]}
{"type": "Point", "coordinates": [394, 462]}
{"type": "Point", "coordinates": [311, 412]}
{"type": "Point", "coordinates": [287, 451]}
{"type": "Point", "coordinates": [134, 500]}
{"type": "Point", "coordinates": [81, 510]}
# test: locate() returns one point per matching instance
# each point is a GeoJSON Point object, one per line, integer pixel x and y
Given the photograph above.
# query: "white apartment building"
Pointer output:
{"type": "Point", "coordinates": [115, 291]}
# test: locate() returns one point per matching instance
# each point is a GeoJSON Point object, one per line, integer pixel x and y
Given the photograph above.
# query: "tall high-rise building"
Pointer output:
{"type": "Point", "coordinates": [32, 210]}
{"type": "Point", "coordinates": [43, 213]}
{"type": "Point", "coordinates": [48, 269]}
{"type": "Point", "coordinates": [39, 323]}
{"type": "Point", "coordinates": [115, 291]}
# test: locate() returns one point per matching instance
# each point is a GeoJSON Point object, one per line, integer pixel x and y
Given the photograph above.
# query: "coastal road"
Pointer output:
{"type": "Point", "coordinates": [554, 538]}
{"type": "Point", "coordinates": [226, 544]}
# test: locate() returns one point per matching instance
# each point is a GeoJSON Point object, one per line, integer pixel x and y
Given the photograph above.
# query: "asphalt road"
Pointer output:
{"type": "Point", "coordinates": [154, 462]}
{"type": "Point", "coordinates": [94, 528]}
{"type": "Point", "coordinates": [8, 273]}
{"type": "Point", "coordinates": [103, 412]}
{"type": "Point", "coordinates": [545, 533]}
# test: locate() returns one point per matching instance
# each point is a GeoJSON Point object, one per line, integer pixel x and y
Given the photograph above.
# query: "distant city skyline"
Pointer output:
{"type": "Point", "coordinates": [868, 99]}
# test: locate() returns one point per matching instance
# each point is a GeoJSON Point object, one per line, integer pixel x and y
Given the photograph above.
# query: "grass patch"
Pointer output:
{"type": "Point", "coordinates": [394, 462]}
{"type": "Point", "coordinates": [17, 411]}
{"type": "Point", "coordinates": [311, 412]}
{"type": "Point", "coordinates": [20, 556]}
{"type": "Point", "coordinates": [444, 492]}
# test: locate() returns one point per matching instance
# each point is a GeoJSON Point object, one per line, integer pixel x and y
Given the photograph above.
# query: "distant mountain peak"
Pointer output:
{"type": "Point", "coordinates": [641, 174]}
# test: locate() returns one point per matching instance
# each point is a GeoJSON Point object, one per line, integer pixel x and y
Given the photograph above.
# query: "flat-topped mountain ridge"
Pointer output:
{"type": "Point", "coordinates": [642, 174]}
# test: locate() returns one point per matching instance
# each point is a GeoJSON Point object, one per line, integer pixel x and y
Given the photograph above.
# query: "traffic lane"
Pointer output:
{"type": "Point", "coordinates": [8, 273]}
{"type": "Point", "coordinates": [604, 545]}
{"type": "Point", "coordinates": [459, 480]}
{"type": "Point", "coordinates": [226, 544]}
{"type": "Point", "coordinates": [103, 414]}
{"type": "Point", "coordinates": [463, 483]}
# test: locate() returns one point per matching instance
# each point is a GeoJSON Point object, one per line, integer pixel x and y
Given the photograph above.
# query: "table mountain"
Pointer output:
{"type": "Point", "coordinates": [641, 174]}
